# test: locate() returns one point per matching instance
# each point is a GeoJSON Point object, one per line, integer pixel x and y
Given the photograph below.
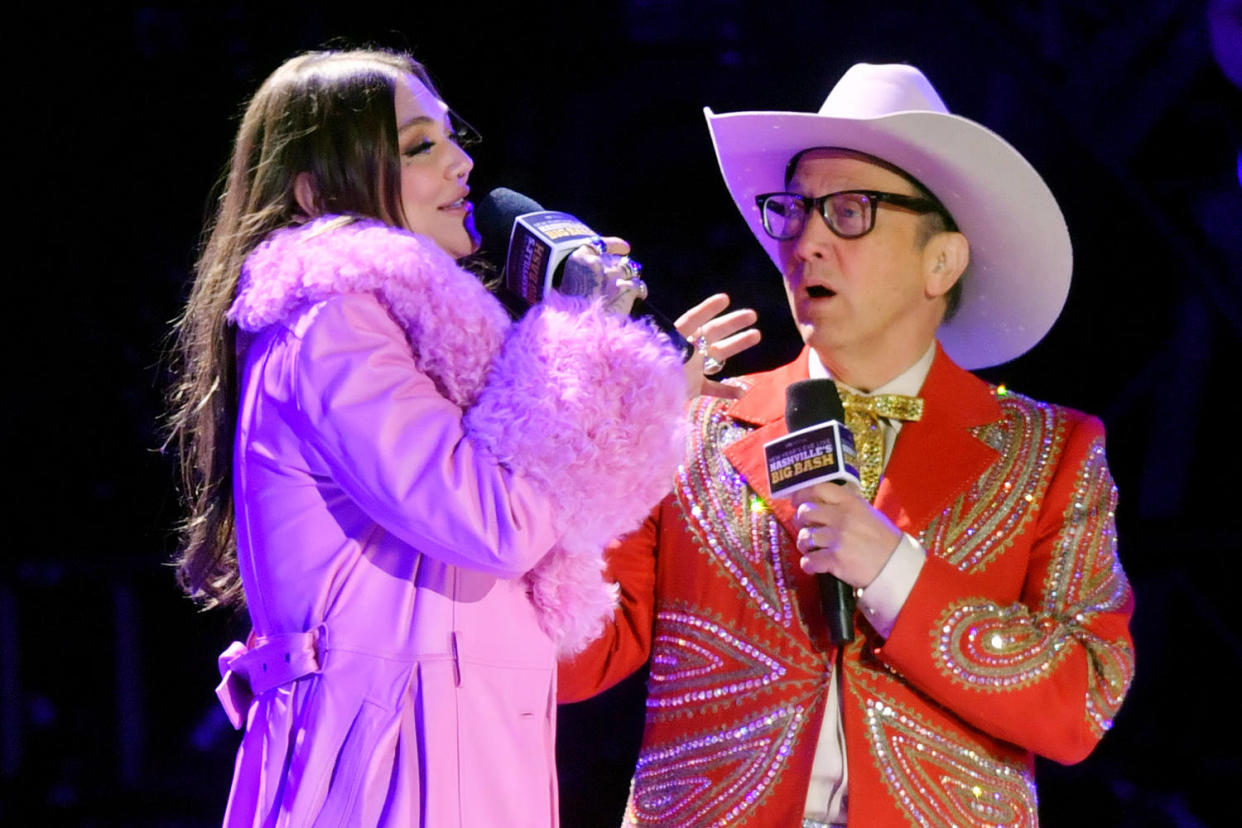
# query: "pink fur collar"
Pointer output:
{"type": "Point", "coordinates": [434, 300]}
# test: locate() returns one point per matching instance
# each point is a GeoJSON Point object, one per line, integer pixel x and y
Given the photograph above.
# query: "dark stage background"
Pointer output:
{"type": "Point", "coordinates": [119, 121]}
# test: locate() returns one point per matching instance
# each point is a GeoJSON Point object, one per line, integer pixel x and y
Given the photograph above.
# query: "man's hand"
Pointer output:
{"type": "Point", "coordinates": [841, 533]}
{"type": "Point", "coordinates": [722, 336]}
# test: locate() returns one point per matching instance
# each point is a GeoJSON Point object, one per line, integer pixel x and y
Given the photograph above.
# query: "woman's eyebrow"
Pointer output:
{"type": "Point", "coordinates": [417, 120]}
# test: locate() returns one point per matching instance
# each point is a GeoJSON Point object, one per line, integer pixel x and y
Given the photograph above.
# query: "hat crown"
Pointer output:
{"type": "Point", "coordinates": [869, 90]}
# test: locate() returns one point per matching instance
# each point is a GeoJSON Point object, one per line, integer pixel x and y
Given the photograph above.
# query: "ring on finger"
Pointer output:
{"type": "Point", "coordinates": [634, 273]}
{"type": "Point", "coordinates": [633, 268]}
{"type": "Point", "coordinates": [700, 345]}
{"type": "Point", "coordinates": [711, 365]}
{"type": "Point", "coordinates": [597, 244]}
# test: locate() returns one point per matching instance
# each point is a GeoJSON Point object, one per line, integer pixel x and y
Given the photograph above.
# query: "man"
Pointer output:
{"type": "Point", "coordinates": [992, 620]}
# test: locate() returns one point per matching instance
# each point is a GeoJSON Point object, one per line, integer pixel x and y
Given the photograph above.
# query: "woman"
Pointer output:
{"type": "Point", "coordinates": [409, 492]}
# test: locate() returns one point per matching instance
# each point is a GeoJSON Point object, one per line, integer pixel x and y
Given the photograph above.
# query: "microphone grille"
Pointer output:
{"type": "Point", "coordinates": [495, 214]}
{"type": "Point", "coordinates": [812, 401]}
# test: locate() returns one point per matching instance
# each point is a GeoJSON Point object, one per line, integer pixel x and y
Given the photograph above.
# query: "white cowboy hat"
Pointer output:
{"type": "Point", "coordinates": [1020, 258]}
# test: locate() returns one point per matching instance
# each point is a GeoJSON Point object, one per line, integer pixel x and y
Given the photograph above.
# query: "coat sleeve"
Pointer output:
{"type": "Point", "coordinates": [1047, 672]}
{"type": "Point", "coordinates": [397, 447]}
{"type": "Point", "coordinates": [626, 641]}
{"type": "Point", "coordinates": [589, 406]}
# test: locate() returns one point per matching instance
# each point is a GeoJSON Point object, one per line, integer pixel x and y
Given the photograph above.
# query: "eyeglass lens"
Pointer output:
{"type": "Point", "coordinates": [848, 214]}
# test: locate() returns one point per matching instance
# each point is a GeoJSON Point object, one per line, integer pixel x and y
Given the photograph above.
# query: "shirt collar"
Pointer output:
{"type": "Point", "coordinates": [908, 382]}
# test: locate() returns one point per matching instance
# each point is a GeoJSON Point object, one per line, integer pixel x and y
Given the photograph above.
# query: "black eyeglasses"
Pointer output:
{"type": "Point", "coordinates": [462, 133]}
{"type": "Point", "coordinates": [849, 213]}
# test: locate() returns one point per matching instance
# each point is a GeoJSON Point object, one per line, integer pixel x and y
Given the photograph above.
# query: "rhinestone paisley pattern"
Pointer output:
{"type": "Point", "coordinates": [731, 698]}
{"type": "Point", "coordinates": [714, 778]}
{"type": "Point", "coordinates": [980, 525]}
{"type": "Point", "coordinates": [729, 520]}
{"type": "Point", "coordinates": [697, 662]}
{"type": "Point", "coordinates": [943, 783]}
{"type": "Point", "coordinates": [997, 648]}
{"type": "Point", "coordinates": [1086, 578]}
{"type": "Point", "coordinates": [704, 667]}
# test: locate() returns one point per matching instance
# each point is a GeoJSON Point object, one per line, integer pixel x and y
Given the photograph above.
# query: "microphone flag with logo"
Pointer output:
{"type": "Point", "coordinates": [817, 449]}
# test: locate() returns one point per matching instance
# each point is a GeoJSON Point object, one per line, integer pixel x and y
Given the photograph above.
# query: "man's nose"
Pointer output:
{"type": "Point", "coordinates": [815, 240]}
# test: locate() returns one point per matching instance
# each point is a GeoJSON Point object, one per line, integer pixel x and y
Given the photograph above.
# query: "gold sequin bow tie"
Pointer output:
{"type": "Point", "coordinates": [862, 418]}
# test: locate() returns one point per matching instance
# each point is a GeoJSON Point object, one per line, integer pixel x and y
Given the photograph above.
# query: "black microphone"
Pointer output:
{"type": "Point", "coordinates": [818, 448]}
{"type": "Point", "coordinates": [529, 243]}
{"type": "Point", "coordinates": [535, 244]}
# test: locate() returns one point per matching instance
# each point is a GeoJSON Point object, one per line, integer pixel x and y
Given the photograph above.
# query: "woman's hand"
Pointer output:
{"type": "Point", "coordinates": [715, 339]}
{"type": "Point", "coordinates": [601, 269]}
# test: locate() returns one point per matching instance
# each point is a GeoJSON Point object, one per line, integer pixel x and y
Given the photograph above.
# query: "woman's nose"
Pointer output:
{"type": "Point", "coordinates": [461, 167]}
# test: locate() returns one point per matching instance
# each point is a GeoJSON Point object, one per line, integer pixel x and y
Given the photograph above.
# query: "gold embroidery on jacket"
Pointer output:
{"type": "Point", "coordinates": [941, 780]}
{"type": "Point", "coordinates": [981, 524]}
{"type": "Point", "coordinates": [1085, 579]}
{"type": "Point", "coordinates": [730, 521]}
{"type": "Point", "coordinates": [703, 661]}
{"type": "Point", "coordinates": [996, 648]}
{"type": "Point", "coordinates": [714, 778]}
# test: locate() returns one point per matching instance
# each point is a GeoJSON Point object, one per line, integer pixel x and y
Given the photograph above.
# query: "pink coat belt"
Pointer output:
{"type": "Point", "coordinates": [251, 669]}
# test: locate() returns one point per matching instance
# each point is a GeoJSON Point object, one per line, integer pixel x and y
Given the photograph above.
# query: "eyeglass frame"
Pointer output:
{"type": "Point", "coordinates": [463, 132]}
{"type": "Point", "coordinates": [918, 204]}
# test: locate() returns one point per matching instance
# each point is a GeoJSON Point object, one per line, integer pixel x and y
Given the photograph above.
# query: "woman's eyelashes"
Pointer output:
{"type": "Point", "coordinates": [426, 145]}
{"type": "Point", "coordinates": [419, 147]}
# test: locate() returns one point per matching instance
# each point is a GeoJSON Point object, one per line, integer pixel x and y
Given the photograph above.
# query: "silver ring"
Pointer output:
{"type": "Point", "coordinates": [634, 273]}
{"type": "Point", "coordinates": [597, 244]}
{"type": "Point", "coordinates": [635, 269]}
{"type": "Point", "coordinates": [711, 365]}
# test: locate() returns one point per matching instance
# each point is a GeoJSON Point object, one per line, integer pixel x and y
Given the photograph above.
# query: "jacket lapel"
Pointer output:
{"type": "Point", "coordinates": [764, 407]}
{"type": "Point", "coordinates": [937, 458]}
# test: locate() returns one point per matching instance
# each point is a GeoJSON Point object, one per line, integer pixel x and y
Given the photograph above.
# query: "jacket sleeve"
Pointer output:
{"type": "Point", "coordinates": [625, 644]}
{"type": "Point", "coordinates": [1047, 672]}
{"type": "Point", "coordinates": [397, 447]}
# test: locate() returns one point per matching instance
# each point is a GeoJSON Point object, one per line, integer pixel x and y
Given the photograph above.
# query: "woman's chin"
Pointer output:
{"type": "Point", "coordinates": [462, 247]}
{"type": "Point", "coordinates": [458, 243]}
{"type": "Point", "coordinates": [474, 240]}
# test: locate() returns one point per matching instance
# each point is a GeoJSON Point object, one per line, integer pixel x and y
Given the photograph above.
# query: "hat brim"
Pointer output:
{"type": "Point", "coordinates": [1020, 254]}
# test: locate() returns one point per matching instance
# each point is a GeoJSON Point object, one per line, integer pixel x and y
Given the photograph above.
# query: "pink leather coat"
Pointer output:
{"type": "Point", "coordinates": [422, 494]}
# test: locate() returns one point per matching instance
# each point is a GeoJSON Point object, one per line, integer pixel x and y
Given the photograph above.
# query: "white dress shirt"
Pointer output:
{"type": "Point", "coordinates": [881, 601]}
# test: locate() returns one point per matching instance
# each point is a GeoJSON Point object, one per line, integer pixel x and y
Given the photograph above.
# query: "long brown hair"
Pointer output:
{"type": "Point", "coordinates": [328, 114]}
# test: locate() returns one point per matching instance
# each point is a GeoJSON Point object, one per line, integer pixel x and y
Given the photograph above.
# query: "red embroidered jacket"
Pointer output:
{"type": "Point", "coordinates": [1014, 640]}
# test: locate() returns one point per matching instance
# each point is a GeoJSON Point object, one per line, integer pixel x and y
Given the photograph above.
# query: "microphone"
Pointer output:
{"type": "Point", "coordinates": [818, 448]}
{"type": "Point", "coordinates": [536, 243]}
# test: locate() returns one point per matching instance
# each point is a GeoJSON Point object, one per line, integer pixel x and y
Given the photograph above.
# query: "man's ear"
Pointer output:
{"type": "Point", "coordinates": [305, 195]}
{"type": "Point", "coordinates": [944, 261]}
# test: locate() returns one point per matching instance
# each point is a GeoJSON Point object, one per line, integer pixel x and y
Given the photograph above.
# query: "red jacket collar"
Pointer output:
{"type": "Point", "coordinates": [933, 461]}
